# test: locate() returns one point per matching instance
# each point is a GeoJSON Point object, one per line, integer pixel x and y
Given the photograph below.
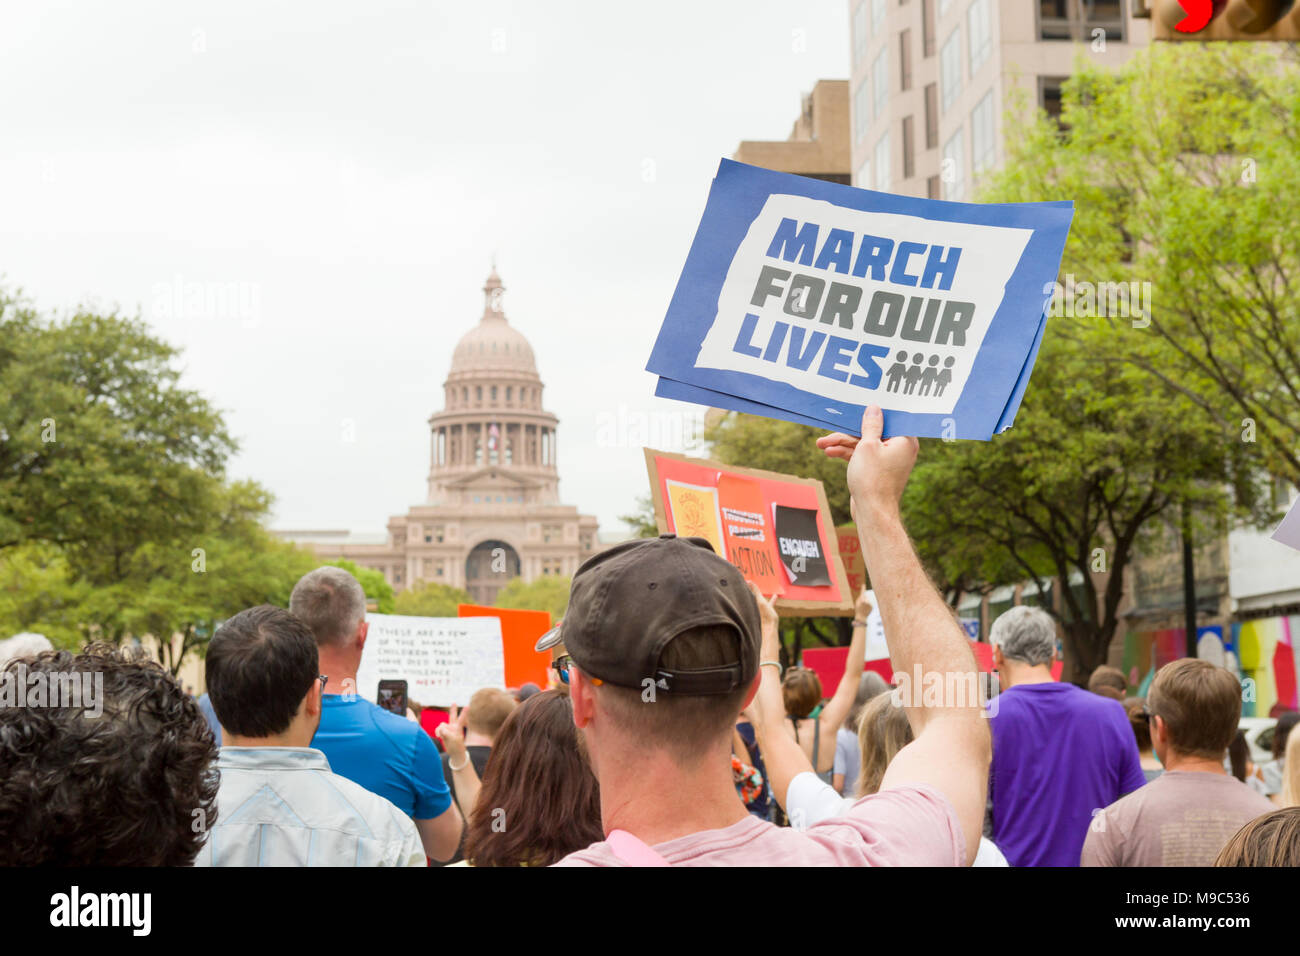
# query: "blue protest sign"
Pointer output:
{"type": "Point", "coordinates": [806, 301]}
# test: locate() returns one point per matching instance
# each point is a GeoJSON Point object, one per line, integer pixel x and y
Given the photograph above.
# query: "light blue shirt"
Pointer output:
{"type": "Point", "coordinates": [283, 806]}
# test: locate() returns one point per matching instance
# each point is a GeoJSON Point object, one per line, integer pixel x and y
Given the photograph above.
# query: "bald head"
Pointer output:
{"type": "Point", "coordinates": [330, 602]}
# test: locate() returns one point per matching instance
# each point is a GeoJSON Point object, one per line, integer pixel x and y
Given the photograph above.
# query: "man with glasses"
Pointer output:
{"type": "Point", "coordinates": [1189, 813]}
{"type": "Point", "coordinates": [279, 804]}
{"type": "Point", "coordinates": [384, 752]}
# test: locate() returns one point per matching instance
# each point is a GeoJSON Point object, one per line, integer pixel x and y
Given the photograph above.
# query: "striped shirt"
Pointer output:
{"type": "Point", "coordinates": [283, 806]}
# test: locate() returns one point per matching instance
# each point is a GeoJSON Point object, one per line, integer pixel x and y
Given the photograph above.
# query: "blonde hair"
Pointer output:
{"type": "Point", "coordinates": [883, 730]}
{"type": "Point", "coordinates": [1291, 766]}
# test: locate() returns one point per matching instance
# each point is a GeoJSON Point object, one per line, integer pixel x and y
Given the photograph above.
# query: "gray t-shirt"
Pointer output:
{"type": "Point", "coordinates": [848, 758]}
{"type": "Point", "coordinates": [1182, 818]}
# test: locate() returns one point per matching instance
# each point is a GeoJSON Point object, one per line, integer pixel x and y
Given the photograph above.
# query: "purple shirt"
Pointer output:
{"type": "Point", "coordinates": [1060, 754]}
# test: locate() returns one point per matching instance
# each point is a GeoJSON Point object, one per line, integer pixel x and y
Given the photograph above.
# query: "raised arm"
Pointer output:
{"type": "Point", "coordinates": [464, 778]}
{"type": "Point", "coordinates": [783, 758]}
{"type": "Point", "coordinates": [951, 751]}
{"type": "Point", "coordinates": [837, 709]}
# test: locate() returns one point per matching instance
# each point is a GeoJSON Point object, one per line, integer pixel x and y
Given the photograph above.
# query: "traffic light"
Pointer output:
{"type": "Point", "coordinates": [1266, 20]}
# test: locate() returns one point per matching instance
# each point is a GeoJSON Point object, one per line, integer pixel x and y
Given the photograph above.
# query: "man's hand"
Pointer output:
{"type": "Point", "coordinates": [878, 469]}
{"type": "Point", "coordinates": [452, 734]}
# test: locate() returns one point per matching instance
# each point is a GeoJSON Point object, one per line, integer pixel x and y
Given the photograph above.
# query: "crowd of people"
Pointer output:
{"type": "Point", "coordinates": [672, 735]}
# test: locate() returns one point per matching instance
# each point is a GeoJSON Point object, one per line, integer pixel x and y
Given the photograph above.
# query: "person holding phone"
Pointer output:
{"type": "Point", "coordinates": [383, 752]}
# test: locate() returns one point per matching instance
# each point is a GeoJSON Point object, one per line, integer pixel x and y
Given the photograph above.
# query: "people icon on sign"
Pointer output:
{"type": "Point", "coordinates": [913, 374]}
{"type": "Point", "coordinates": [923, 377]}
{"type": "Point", "coordinates": [929, 374]}
{"type": "Point", "coordinates": [944, 377]}
{"type": "Point", "coordinates": [894, 377]}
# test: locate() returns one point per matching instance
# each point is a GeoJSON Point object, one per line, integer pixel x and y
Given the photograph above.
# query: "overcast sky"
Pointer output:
{"type": "Point", "coordinates": [348, 171]}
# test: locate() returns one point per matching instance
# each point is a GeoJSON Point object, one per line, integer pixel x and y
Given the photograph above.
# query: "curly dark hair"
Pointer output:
{"type": "Point", "coordinates": [539, 800]}
{"type": "Point", "coordinates": [135, 785]}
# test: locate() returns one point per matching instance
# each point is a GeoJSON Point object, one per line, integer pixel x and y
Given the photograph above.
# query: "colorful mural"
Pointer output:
{"type": "Point", "coordinates": [1259, 651]}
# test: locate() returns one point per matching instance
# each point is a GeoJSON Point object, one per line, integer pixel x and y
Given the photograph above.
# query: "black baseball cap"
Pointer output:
{"type": "Point", "coordinates": [627, 603]}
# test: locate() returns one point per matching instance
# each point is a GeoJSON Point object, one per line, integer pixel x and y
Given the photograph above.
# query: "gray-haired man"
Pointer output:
{"type": "Point", "coordinates": [1060, 753]}
{"type": "Point", "coordinates": [385, 753]}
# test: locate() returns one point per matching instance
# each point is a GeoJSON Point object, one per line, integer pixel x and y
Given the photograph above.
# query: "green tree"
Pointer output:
{"type": "Point", "coordinates": [1183, 165]}
{"type": "Point", "coordinates": [431, 599]}
{"type": "Point", "coordinates": [100, 448]}
{"type": "Point", "coordinates": [372, 582]}
{"type": "Point", "coordinates": [1105, 454]}
{"type": "Point", "coordinates": [546, 593]}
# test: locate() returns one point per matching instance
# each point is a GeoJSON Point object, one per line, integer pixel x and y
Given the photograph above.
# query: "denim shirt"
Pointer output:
{"type": "Point", "coordinates": [283, 806]}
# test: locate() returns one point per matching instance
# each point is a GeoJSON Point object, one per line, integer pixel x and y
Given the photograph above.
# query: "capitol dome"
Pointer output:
{"type": "Point", "coordinates": [493, 346]}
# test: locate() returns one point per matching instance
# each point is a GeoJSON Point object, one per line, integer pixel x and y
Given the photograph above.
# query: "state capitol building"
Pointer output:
{"type": "Point", "coordinates": [493, 510]}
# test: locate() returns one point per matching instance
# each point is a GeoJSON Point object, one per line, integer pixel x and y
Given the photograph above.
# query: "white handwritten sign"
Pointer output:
{"type": "Point", "coordinates": [442, 659]}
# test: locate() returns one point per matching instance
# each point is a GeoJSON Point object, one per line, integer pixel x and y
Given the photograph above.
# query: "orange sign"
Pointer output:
{"type": "Point", "coordinates": [519, 633]}
{"type": "Point", "coordinates": [747, 527]}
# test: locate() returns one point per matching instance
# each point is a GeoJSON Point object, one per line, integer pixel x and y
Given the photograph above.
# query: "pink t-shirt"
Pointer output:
{"type": "Point", "coordinates": [907, 826]}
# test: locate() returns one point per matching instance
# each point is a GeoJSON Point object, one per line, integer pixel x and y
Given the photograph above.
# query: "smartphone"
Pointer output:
{"type": "Point", "coordinates": [392, 696]}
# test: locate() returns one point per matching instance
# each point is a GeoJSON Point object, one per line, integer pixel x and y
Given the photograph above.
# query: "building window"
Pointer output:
{"type": "Point", "coordinates": [863, 179]}
{"type": "Point", "coordinates": [1049, 96]}
{"type": "Point", "coordinates": [464, 394]}
{"type": "Point", "coordinates": [478, 393]}
{"type": "Point", "coordinates": [438, 570]}
{"type": "Point", "coordinates": [861, 111]}
{"type": "Point", "coordinates": [905, 60]}
{"type": "Point", "coordinates": [494, 393]}
{"type": "Point", "coordinates": [882, 163]}
{"type": "Point", "coordinates": [954, 181]}
{"type": "Point", "coordinates": [932, 190]}
{"type": "Point", "coordinates": [438, 533]}
{"type": "Point", "coordinates": [860, 33]}
{"type": "Point", "coordinates": [931, 116]}
{"type": "Point", "coordinates": [978, 38]}
{"type": "Point", "coordinates": [981, 134]}
{"type": "Point", "coordinates": [877, 15]}
{"type": "Point", "coordinates": [880, 84]}
{"type": "Point", "coordinates": [909, 148]}
{"type": "Point", "coordinates": [509, 396]}
{"type": "Point", "coordinates": [950, 68]}
{"type": "Point", "coordinates": [927, 28]}
{"type": "Point", "coordinates": [1081, 19]}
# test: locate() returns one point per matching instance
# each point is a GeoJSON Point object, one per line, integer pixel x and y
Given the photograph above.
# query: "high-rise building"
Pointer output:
{"type": "Point", "coordinates": [818, 144]}
{"type": "Point", "coordinates": [932, 81]}
{"type": "Point", "coordinates": [493, 510]}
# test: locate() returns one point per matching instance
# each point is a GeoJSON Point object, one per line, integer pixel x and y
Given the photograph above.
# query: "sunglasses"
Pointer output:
{"type": "Point", "coordinates": [562, 666]}
{"type": "Point", "coordinates": [324, 679]}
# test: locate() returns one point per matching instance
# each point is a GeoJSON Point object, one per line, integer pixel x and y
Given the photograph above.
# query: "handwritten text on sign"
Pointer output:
{"type": "Point", "coordinates": [442, 659]}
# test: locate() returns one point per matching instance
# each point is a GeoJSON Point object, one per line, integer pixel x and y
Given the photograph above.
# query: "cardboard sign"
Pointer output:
{"type": "Point", "coordinates": [442, 659]}
{"type": "Point", "coordinates": [751, 510]}
{"type": "Point", "coordinates": [806, 301]}
{"type": "Point", "coordinates": [850, 547]}
{"type": "Point", "coordinates": [519, 633]}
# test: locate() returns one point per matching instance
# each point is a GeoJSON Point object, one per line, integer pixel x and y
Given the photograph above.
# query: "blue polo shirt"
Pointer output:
{"type": "Point", "coordinates": [387, 754]}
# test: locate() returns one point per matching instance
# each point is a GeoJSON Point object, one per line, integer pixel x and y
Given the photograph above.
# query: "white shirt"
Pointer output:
{"type": "Point", "coordinates": [810, 800]}
{"type": "Point", "coordinates": [283, 806]}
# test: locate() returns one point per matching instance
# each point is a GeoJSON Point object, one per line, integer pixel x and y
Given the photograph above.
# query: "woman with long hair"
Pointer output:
{"type": "Point", "coordinates": [538, 800]}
